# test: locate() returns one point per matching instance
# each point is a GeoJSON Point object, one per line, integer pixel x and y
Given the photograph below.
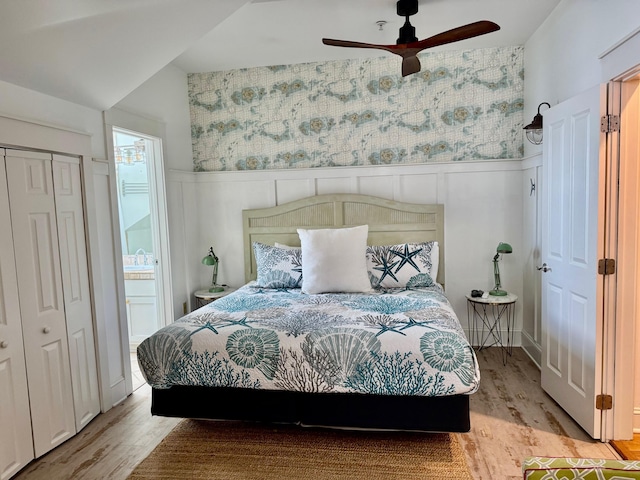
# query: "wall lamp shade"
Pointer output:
{"type": "Point", "coordinates": [213, 261]}
{"type": "Point", "coordinates": [534, 129]}
{"type": "Point", "coordinates": [497, 289]}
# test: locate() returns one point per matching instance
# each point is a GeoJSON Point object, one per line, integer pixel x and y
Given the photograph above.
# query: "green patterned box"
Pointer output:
{"type": "Point", "coordinates": [547, 468]}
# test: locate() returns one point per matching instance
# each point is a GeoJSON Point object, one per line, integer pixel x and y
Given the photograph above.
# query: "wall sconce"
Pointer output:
{"type": "Point", "coordinates": [502, 248]}
{"type": "Point", "coordinates": [213, 261]}
{"type": "Point", "coordinates": [534, 129]}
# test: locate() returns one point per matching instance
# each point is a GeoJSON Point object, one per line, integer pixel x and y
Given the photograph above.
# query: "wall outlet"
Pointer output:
{"type": "Point", "coordinates": [184, 308]}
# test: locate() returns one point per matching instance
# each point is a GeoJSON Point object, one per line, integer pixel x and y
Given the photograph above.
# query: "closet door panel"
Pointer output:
{"type": "Point", "coordinates": [16, 447]}
{"type": "Point", "coordinates": [35, 240]}
{"type": "Point", "coordinates": [75, 286]}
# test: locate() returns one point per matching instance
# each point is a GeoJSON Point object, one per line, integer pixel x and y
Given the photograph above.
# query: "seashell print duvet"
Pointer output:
{"type": "Point", "coordinates": [389, 342]}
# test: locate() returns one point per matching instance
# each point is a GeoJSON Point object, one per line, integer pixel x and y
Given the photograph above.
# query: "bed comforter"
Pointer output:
{"type": "Point", "coordinates": [390, 342]}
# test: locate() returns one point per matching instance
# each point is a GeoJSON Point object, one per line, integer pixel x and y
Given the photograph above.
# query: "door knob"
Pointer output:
{"type": "Point", "coordinates": [4, 344]}
{"type": "Point", "coordinates": [46, 330]}
{"type": "Point", "coordinates": [544, 268]}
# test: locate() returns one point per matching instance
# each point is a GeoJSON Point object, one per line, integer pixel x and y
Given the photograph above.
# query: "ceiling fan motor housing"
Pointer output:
{"type": "Point", "coordinates": [406, 8]}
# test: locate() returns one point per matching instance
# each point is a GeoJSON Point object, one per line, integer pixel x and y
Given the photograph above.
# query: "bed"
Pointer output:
{"type": "Point", "coordinates": [389, 358]}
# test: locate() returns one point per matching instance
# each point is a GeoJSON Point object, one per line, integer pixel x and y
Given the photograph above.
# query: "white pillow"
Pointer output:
{"type": "Point", "coordinates": [435, 260]}
{"type": "Point", "coordinates": [334, 260]}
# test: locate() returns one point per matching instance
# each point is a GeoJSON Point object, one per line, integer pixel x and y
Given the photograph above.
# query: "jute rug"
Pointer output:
{"type": "Point", "coordinates": [232, 451]}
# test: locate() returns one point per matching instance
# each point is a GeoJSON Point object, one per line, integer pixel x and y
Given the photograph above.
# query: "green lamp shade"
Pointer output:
{"type": "Point", "coordinates": [504, 248]}
{"type": "Point", "coordinates": [497, 289]}
{"type": "Point", "coordinates": [209, 260]}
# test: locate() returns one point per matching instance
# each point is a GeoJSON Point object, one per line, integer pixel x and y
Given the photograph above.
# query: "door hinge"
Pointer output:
{"type": "Point", "coordinates": [606, 266]}
{"type": "Point", "coordinates": [610, 123]}
{"type": "Point", "coordinates": [604, 402]}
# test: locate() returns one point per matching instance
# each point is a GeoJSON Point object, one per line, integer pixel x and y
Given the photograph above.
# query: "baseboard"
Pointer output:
{"type": "Point", "coordinates": [532, 349]}
{"type": "Point", "coordinates": [118, 391]}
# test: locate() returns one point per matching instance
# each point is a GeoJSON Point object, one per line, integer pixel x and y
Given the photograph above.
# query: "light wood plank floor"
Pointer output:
{"type": "Point", "coordinates": [511, 418]}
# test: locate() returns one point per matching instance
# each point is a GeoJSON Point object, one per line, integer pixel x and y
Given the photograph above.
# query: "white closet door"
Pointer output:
{"type": "Point", "coordinates": [35, 239]}
{"type": "Point", "coordinates": [75, 287]}
{"type": "Point", "coordinates": [16, 447]}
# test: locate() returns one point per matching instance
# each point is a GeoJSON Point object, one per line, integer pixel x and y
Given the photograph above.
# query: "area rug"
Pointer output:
{"type": "Point", "coordinates": [233, 450]}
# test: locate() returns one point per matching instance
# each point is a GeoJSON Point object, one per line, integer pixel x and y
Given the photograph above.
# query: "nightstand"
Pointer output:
{"type": "Point", "coordinates": [204, 297]}
{"type": "Point", "coordinates": [492, 314]}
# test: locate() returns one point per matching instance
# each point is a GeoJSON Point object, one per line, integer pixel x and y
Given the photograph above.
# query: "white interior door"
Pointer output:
{"type": "Point", "coordinates": [35, 240]}
{"type": "Point", "coordinates": [571, 324]}
{"type": "Point", "coordinates": [16, 447]}
{"type": "Point", "coordinates": [75, 286]}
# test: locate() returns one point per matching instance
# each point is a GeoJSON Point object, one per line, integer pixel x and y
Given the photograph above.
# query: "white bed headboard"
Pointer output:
{"type": "Point", "coordinates": [390, 222]}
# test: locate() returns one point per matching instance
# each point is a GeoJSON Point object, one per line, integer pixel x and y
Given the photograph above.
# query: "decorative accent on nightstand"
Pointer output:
{"type": "Point", "coordinates": [502, 248]}
{"type": "Point", "coordinates": [213, 261]}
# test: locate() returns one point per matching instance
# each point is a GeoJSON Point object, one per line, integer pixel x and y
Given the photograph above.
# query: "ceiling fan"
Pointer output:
{"type": "Point", "coordinates": [408, 46]}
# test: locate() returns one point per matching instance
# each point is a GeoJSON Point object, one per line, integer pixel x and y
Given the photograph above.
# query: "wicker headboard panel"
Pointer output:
{"type": "Point", "coordinates": [390, 222]}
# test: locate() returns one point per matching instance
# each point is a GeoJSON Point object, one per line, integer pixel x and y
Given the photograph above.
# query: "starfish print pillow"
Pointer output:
{"type": "Point", "coordinates": [408, 265]}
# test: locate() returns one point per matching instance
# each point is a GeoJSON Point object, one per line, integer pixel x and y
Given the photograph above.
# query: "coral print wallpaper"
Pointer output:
{"type": "Point", "coordinates": [463, 105]}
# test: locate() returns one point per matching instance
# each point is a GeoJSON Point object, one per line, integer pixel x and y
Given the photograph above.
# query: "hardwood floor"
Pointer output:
{"type": "Point", "coordinates": [628, 449]}
{"type": "Point", "coordinates": [511, 418]}
{"type": "Point", "coordinates": [109, 447]}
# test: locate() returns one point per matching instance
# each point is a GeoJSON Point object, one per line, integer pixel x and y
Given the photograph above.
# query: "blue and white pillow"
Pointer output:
{"type": "Point", "coordinates": [278, 267]}
{"type": "Point", "coordinates": [408, 265]}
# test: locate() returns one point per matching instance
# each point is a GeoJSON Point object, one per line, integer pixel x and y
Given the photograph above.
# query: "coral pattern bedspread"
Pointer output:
{"type": "Point", "coordinates": [389, 342]}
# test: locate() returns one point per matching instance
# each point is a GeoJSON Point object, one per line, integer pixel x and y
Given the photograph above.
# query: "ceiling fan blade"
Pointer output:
{"type": "Point", "coordinates": [409, 51]}
{"type": "Point", "coordinates": [456, 34]}
{"type": "Point", "coordinates": [347, 43]}
{"type": "Point", "coordinates": [410, 65]}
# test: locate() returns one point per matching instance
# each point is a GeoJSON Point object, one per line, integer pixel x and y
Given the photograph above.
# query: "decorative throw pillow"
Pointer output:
{"type": "Point", "coordinates": [334, 260]}
{"type": "Point", "coordinates": [278, 267]}
{"type": "Point", "coordinates": [405, 265]}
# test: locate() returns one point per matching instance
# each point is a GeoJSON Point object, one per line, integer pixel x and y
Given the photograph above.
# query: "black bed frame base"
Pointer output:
{"type": "Point", "coordinates": [343, 410]}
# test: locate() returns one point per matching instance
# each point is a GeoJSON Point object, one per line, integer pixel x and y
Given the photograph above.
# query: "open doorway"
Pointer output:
{"type": "Point", "coordinates": [140, 193]}
{"type": "Point", "coordinates": [624, 150]}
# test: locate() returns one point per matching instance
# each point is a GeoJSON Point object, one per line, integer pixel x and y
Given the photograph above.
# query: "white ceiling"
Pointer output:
{"type": "Point", "coordinates": [95, 52]}
{"type": "Point", "coordinates": [277, 32]}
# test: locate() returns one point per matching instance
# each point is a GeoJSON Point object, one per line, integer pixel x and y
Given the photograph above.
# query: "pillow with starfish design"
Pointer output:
{"type": "Point", "coordinates": [404, 265]}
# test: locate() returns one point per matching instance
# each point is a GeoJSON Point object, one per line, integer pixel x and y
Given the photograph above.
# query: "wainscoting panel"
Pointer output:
{"type": "Point", "coordinates": [483, 206]}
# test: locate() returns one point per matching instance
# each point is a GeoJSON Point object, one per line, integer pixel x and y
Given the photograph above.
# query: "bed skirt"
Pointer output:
{"type": "Point", "coordinates": [343, 410]}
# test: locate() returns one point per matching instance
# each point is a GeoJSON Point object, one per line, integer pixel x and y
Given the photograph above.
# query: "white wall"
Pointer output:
{"type": "Point", "coordinates": [561, 59]}
{"type": "Point", "coordinates": [483, 205]}
{"type": "Point", "coordinates": [27, 104]}
{"type": "Point", "coordinates": [164, 98]}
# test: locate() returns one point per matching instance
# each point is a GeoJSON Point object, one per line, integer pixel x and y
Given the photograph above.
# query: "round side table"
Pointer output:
{"type": "Point", "coordinates": [204, 296]}
{"type": "Point", "coordinates": [492, 314]}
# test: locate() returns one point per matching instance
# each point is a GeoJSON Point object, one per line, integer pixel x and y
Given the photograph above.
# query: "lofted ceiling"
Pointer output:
{"type": "Point", "coordinates": [95, 52]}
